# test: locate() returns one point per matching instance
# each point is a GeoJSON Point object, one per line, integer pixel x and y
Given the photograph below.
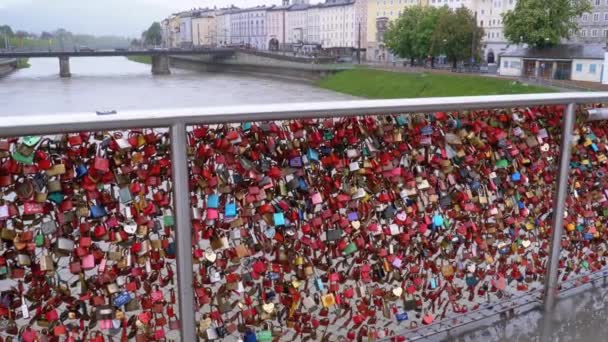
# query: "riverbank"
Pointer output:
{"type": "Point", "coordinates": [377, 84]}
{"type": "Point", "coordinates": [7, 66]}
{"type": "Point", "coordinates": [140, 59]}
{"type": "Point", "coordinates": [23, 63]}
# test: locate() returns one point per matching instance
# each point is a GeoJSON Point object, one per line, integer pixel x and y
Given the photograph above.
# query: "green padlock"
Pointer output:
{"type": "Point", "coordinates": [501, 164]}
{"type": "Point", "coordinates": [265, 335]}
{"type": "Point", "coordinates": [29, 160]}
{"type": "Point", "coordinates": [350, 249]}
{"type": "Point", "coordinates": [39, 239]}
{"type": "Point", "coordinates": [168, 221]}
{"type": "Point", "coordinates": [56, 197]}
{"type": "Point", "coordinates": [31, 141]}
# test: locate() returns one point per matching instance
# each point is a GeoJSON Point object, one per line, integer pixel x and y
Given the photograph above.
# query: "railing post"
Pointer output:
{"type": "Point", "coordinates": [559, 204]}
{"type": "Point", "coordinates": [183, 231]}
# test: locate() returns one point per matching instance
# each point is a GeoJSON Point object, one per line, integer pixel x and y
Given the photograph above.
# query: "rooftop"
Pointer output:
{"type": "Point", "coordinates": [563, 51]}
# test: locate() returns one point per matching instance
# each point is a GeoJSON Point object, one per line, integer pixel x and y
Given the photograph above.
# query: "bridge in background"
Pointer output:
{"type": "Point", "coordinates": [160, 57]}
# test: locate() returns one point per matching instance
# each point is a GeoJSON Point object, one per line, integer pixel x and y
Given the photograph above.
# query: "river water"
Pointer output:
{"type": "Point", "coordinates": [117, 83]}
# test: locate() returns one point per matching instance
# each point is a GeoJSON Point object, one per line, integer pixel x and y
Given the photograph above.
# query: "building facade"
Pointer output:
{"type": "Point", "coordinates": [185, 30]}
{"type": "Point", "coordinates": [296, 22]}
{"type": "Point", "coordinates": [593, 26]}
{"type": "Point", "coordinates": [248, 27]}
{"type": "Point", "coordinates": [361, 23]}
{"type": "Point", "coordinates": [275, 26]}
{"type": "Point", "coordinates": [338, 24]}
{"type": "Point", "coordinates": [379, 14]}
{"type": "Point", "coordinates": [223, 27]}
{"type": "Point", "coordinates": [489, 17]}
{"type": "Point", "coordinates": [204, 29]}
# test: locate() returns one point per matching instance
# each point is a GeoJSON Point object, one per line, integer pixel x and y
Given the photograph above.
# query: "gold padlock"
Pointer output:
{"type": "Point", "coordinates": [299, 261]}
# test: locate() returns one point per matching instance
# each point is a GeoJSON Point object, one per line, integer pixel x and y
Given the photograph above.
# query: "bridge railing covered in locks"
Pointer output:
{"type": "Point", "coordinates": [309, 221]}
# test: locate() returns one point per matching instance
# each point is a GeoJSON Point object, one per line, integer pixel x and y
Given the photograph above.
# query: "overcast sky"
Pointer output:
{"type": "Point", "coordinates": [116, 17]}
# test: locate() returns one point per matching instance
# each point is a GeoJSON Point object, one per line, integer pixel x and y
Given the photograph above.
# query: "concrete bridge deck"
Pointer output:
{"type": "Point", "coordinates": [114, 53]}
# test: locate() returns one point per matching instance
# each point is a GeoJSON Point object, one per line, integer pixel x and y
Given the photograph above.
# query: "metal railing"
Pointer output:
{"type": "Point", "coordinates": [178, 120]}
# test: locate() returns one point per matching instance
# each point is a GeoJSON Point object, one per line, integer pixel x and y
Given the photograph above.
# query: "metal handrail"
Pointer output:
{"type": "Point", "coordinates": [178, 120]}
{"type": "Point", "coordinates": [69, 122]}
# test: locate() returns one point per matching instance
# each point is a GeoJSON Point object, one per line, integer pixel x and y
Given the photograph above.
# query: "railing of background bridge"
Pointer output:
{"type": "Point", "coordinates": [326, 220]}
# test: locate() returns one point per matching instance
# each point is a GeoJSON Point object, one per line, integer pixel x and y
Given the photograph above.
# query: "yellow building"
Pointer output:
{"type": "Point", "coordinates": [379, 13]}
{"type": "Point", "coordinates": [204, 30]}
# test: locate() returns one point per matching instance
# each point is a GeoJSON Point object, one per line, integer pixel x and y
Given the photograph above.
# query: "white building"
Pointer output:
{"type": "Point", "coordinates": [296, 24]}
{"type": "Point", "coordinates": [275, 26]}
{"type": "Point", "coordinates": [248, 27]}
{"type": "Point", "coordinates": [313, 25]}
{"type": "Point", "coordinates": [185, 30]}
{"type": "Point", "coordinates": [338, 24]}
{"type": "Point", "coordinates": [223, 26]}
{"type": "Point", "coordinates": [593, 25]}
{"type": "Point", "coordinates": [489, 17]}
{"type": "Point", "coordinates": [562, 62]}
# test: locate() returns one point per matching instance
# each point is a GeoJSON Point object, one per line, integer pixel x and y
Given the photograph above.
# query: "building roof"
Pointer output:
{"type": "Point", "coordinates": [564, 51]}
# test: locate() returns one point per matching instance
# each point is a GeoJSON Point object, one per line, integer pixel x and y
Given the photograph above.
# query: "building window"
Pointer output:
{"type": "Point", "coordinates": [583, 33]}
{"type": "Point", "coordinates": [579, 67]}
{"type": "Point", "coordinates": [594, 33]}
{"type": "Point", "coordinates": [505, 64]}
{"type": "Point", "coordinates": [592, 68]}
{"type": "Point", "coordinates": [585, 17]}
{"type": "Point", "coordinates": [596, 17]}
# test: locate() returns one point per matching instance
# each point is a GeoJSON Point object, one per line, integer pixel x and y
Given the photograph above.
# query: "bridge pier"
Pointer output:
{"type": "Point", "coordinates": [160, 65]}
{"type": "Point", "coordinates": [64, 66]}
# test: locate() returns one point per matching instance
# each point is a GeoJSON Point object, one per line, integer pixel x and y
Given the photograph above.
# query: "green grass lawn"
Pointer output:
{"type": "Point", "coordinates": [377, 84]}
{"type": "Point", "coordinates": [141, 59]}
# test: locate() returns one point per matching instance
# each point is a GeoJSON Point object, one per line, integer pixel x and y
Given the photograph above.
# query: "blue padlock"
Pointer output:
{"type": "Point", "coordinates": [302, 185]}
{"type": "Point", "coordinates": [516, 177]}
{"type": "Point", "coordinates": [319, 284]}
{"type": "Point", "coordinates": [250, 336]}
{"type": "Point", "coordinates": [230, 210]}
{"type": "Point", "coordinates": [437, 221]}
{"type": "Point", "coordinates": [213, 201]}
{"type": "Point", "coordinates": [81, 170]}
{"type": "Point", "coordinates": [97, 211]}
{"type": "Point", "coordinates": [171, 249]}
{"type": "Point", "coordinates": [401, 316]}
{"type": "Point", "coordinates": [279, 219]}
{"type": "Point", "coordinates": [433, 283]}
{"type": "Point", "coordinates": [312, 155]}
{"type": "Point", "coordinates": [122, 299]}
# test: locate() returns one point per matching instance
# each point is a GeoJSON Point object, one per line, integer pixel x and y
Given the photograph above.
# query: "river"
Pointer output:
{"type": "Point", "coordinates": [117, 83]}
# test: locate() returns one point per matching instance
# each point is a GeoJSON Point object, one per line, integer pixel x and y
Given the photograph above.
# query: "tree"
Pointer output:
{"type": "Point", "coordinates": [457, 36]}
{"type": "Point", "coordinates": [541, 23]}
{"type": "Point", "coordinates": [21, 34]}
{"type": "Point", "coordinates": [410, 35]}
{"type": "Point", "coordinates": [5, 29]}
{"type": "Point", "coordinates": [46, 35]}
{"type": "Point", "coordinates": [153, 36]}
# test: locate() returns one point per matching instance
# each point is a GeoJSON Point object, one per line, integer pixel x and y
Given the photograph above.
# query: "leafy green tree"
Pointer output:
{"type": "Point", "coordinates": [410, 35]}
{"type": "Point", "coordinates": [5, 29]}
{"type": "Point", "coordinates": [153, 36]}
{"type": "Point", "coordinates": [457, 36]}
{"type": "Point", "coordinates": [541, 23]}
